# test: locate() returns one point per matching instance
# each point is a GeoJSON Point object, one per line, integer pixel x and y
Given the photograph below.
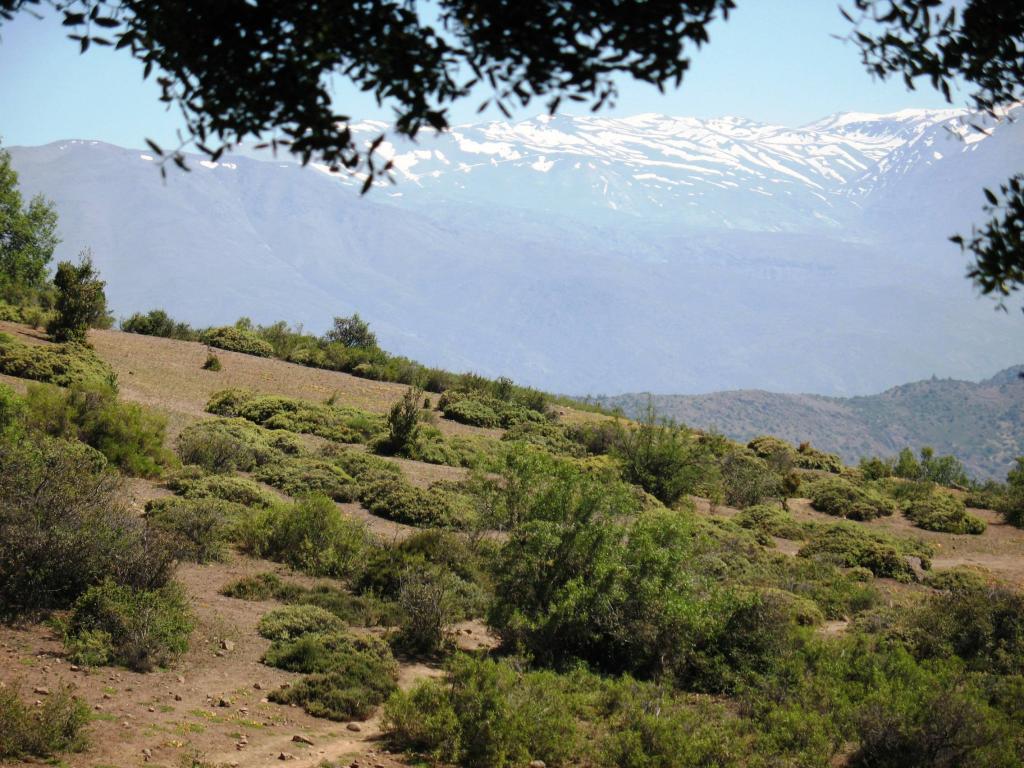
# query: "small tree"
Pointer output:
{"type": "Point", "coordinates": [352, 332]}
{"type": "Point", "coordinates": [404, 422]}
{"type": "Point", "coordinates": [81, 302]}
{"type": "Point", "coordinates": [27, 237]}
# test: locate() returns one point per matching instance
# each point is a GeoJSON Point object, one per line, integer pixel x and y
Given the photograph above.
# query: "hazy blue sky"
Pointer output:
{"type": "Point", "coordinates": [772, 61]}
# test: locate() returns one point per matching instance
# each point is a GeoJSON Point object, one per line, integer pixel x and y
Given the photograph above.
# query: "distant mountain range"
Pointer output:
{"type": "Point", "coordinates": [980, 423]}
{"type": "Point", "coordinates": [582, 254]}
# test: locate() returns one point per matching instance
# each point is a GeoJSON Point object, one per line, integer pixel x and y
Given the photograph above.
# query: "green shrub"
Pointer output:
{"type": "Point", "coordinates": [212, 362]}
{"type": "Point", "coordinates": [294, 621]}
{"type": "Point", "coordinates": [63, 527]}
{"type": "Point", "coordinates": [842, 498]}
{"type": "Point", "coordinates": [348, 676]}
{"type": "Point", "coordinates": [663, 459]}
{"type": "Point", "coordinates": [130, 436]}
{"type": "Point", "coordinates": [849, 545]}
{"type": "Point", "coordinates": [916, 718]}
{"type": "Point", "coordinates": [944, 513]}
{"type": "Point", "coordinates": [958, 578]}
{"type": "Point", "coordinates": [226, 445]}
{"type": "Point", "coordinates": [193, 484]}
{"type": "Point", "coordinates": [548, 435]}
{"type": "Point", "coordinates": [304, 476]}
{"type": "Point", "coordinates": [311, 535]}
{"type": "Point", "coordinates": [236, 339]}
{"type": "Point", "coordinates": [157, 322]}
{"type": "Point", "coordinates": [60, 364]}
{"type": "Point", "coordinates": [263, 586]}
{"type": "Point", "coordinates": [59, 725]}
{"type": "Point", "coordinates": [142, 628]}
{"type": "Point", "coordinates": [486, 714]}
{"type": "Point", "coordinates": [772, 520]}
{"type": "Point", "coordinates": [748, 480]}
{"type": "Point", "coordinates": [199, 529]}
{"type": "Point", "coordinates": [481, 410]}
{"type": "Point", "coordinates": [403, 424]}
{"type": "Point", "coordinates": [345, 425]}
{"type": "Point", "coordinates": [983, 625]}
{"type": "Point", "coordinates": [392, 497]}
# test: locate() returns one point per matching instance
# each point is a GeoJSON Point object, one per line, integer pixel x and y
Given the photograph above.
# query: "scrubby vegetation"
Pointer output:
{"type": "Point", "coordinates": [139, 629]}
{"type": "Point", "coordinates": [942, 512]}
{"type": "Point", "coordinates": [236, 339]}
{"type": "Point", "coordinates": [62, 364]}
{"type": "Point", "coordinates": [852, 546]}
{"type": "Point", "coordinates": [59, 725]}
{"type": "Point", "coordinates": [844, 498]}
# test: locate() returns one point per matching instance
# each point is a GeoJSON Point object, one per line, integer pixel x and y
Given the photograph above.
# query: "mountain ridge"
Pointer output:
{"type": "Point", "coordinates": [575, 279]}
{"type": "Point", "coordinates": [980, 422]}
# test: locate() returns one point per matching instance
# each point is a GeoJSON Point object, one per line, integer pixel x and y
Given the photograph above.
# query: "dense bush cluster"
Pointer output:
{"type": "Point", "coordinates": [854, 546]}
{"type": "Point", "coordinates": [235, 339]}
{"type": "Point", "coordinates": [345, 425]}
{"type": "Point", "coordinates": [942, 512]}
{"type": "Point", "coordinates": [843, 498]}
{"type": "Point", "coordinates": [199, 529]}
{"type": "Point", "coordinates": [59, 725]}
{"type": "Point", "coordinates": [61, 364]}
{"type": "Point", "coordinates": [484, 410]}
{"type": "Point", "coordinates": [784, 456]}
{"type": "Point", "coordinates": [157, 322]}
{"type": "Point", "coordinates": [346, 676]}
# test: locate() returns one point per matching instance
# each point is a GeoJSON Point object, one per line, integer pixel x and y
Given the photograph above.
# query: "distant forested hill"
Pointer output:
{"type": "Point", "coordinates": [981, 423]}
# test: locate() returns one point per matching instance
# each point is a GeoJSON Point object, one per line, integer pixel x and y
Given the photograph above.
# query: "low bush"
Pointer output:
{"type": "Point", "coordinates": [129, 435]}
{"type": "Point", "coordinates": [294, 621]}
{"type": "Point", "coordinates": [226, 445]}
{"type": "Point", "coordinates": [942, 512]}
{"type": "Point", "coordinates": [958, 578]}
{"type": "Point", "coordinates": [842, 498]}
{"type": "Point", "coordinates": [481, 410]}
{"type": "Point", "coordinates": [59, 725]}
{"type": "Point", "coordinates": [367, 610]}
{"type": "Point", "coordinates": [193, 483]}
{"type": "Point", "coordinates": [768, 520]}
{"type": "Point", "coordinates": [303, 476]}
{"type": "Point", "coordinates": [157, 322]}
{"type": "Point", "coordinates": [264, 586]}
{"type": "Point", "coordinates": [983, 625]}
{"type": "Point", "coordinates": [60, 364]}
{"type": "Point", "coordinates": [665, 460]}
{"type": "Point", "coordinates": [212, 362]}
{"type": "Point", "coordinates": [748, 480]}
{"type": "Point", "coordinates": [310, 535]}
{"type": "Point", "coordinates": [849, 545]}
{"type": "Point", "coordinates": [199, 529]}
{"type": "Point", "coordinates": [486, 714]}
{"type": "Point", "coordinates": [63, 527]}
{"type": "Point", "coordinates": [392, 497]}
{"type": "Point", "coordinates": [345, 425]}
{"type": "Point", "coordinates": [548, 435]}
{"type": "Point", "coordinates": [139, 629]}
{"type": "Point", "coordinates": [236, 339]}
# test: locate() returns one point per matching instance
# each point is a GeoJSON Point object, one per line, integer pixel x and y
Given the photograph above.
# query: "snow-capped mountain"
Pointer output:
{"type": "Point", "coordinates": [583, 254]}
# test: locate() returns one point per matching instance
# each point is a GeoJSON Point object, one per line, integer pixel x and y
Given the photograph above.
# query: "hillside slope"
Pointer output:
{"type": "Point", "coordinates": [981, 423]}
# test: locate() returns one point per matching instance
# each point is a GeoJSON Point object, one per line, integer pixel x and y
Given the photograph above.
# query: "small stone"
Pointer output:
{"type": "Point", "coordinates": [286, 756]}
{"type": "Point", "coordinates": [107, 696]}
{"type": "Point", "coordinates": [146, 754]}
{"type": "Point", "coordinates": [538, 764]}
{"type": "Point", "coordinates": [298, 737]}
{"type": "Point", "coordinates": [354, 727]}
{"type": "Point", "coordinates": [219, 654]}
{"type": "Point", "coordinates": [75, 667]}
{"type": "Point", "coordinates": [257, 686]}
{"type": "Point", "coordinates": [181, 680]}
{"type": "Point", "coordinates": [223, 702]}
{"type": "Point", "coordinates": [41, 691]}
{"type": "Point", "coordinates": [177, 697]}
{"type": "Point", "coordinates": [151, 709]}
{"type": "Point", "coordinates": [227, 645]}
